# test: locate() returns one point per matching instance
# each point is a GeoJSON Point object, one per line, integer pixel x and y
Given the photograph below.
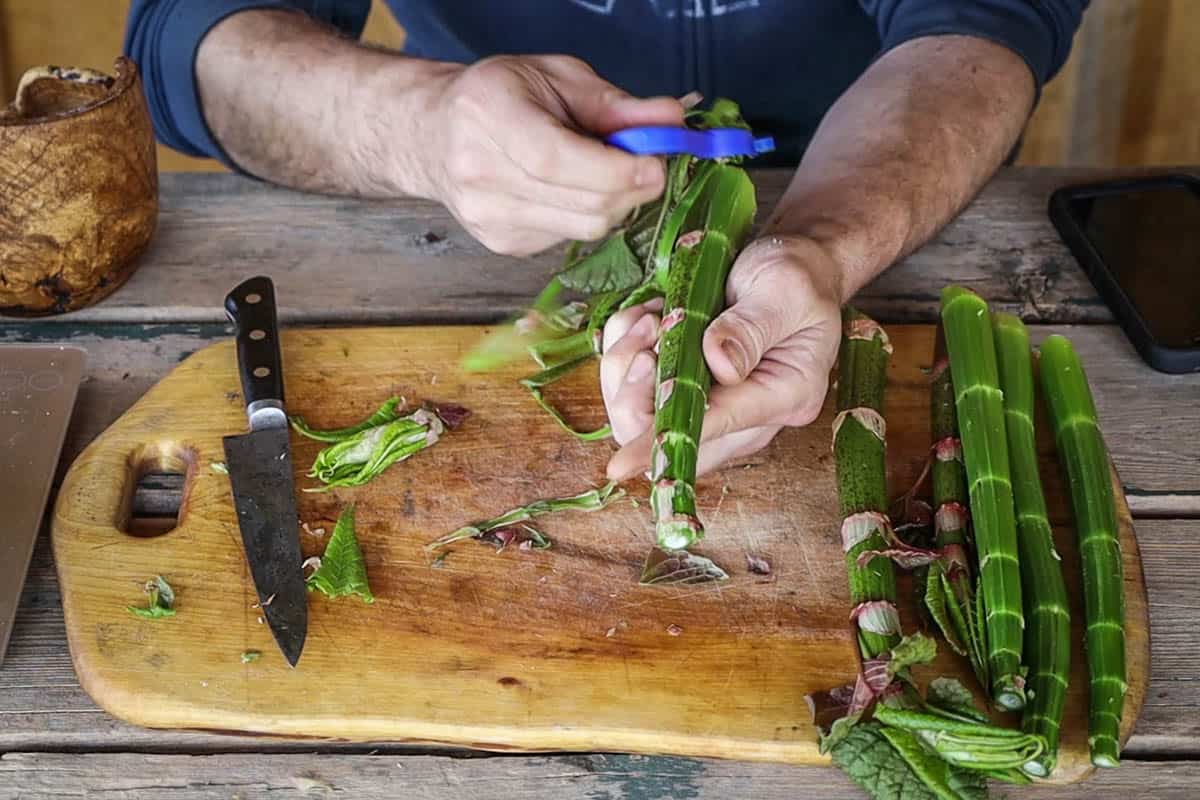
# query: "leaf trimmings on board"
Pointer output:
{"type": "Point", "coordinates": [342, 570]}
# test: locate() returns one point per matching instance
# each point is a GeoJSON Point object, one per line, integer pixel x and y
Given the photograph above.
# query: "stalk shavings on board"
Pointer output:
{"type": "Point", "coordinates": [160, 600]}
{"type": "Point", "coordinates": [511, 526]}
{"type": "Point", "coordinates": [342, 570]}
{"type": "Point", "coordinates": [358, 453]}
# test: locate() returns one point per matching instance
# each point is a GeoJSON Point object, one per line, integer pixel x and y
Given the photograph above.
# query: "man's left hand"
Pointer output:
{"type": "Point", "coordinates": [770, 354]}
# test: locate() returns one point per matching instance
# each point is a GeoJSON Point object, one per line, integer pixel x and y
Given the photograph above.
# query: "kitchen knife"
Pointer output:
{"type": "Point", "coordinates": [260, 469]}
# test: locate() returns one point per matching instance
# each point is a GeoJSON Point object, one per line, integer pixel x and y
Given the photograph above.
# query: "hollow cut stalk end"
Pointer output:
{"type": "Point", "coordinates": [1008, 694]}
{"type": "Point", "coordinates": [1038, 767]}
{"type": "Point", "coordinates": [1105, 752]}
{"type": "Point", "coordinates": [679, 532]}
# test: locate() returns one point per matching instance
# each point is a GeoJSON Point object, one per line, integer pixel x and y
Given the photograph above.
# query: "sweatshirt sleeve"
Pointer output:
{"type": "Point", "coordinates": [163, 36]}
{"type": "Point", "coordinates": [1039, 31]}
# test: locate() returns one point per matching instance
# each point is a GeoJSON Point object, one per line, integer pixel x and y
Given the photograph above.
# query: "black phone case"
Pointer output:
{"type": "Point", "coordinates": [1173, 360]}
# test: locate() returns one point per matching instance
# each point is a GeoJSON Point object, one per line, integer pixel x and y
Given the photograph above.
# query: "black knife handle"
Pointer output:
{"type": "Point", "coordinates": [251, 308]}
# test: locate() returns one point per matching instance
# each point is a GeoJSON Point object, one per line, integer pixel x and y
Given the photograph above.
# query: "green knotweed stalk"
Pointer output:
{"type": "Point", "coordinates": [1048, 618]}
{"type": "Point", "coordinates": [979, 404]}
{"type": "Point", "coordinates": [695, 294]}
{"type": "Point", "coordinates": [1085, 460]}
{"type": "Point", "coordinates": [950, 594]}
{"type": "Point", "coordinates": [859, 433]}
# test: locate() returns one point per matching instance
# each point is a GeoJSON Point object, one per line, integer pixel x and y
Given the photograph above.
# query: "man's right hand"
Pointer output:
{"type": "Point", "coordinates": [510, 147]}
{"type": "Point", "coordinates": [509, 144]}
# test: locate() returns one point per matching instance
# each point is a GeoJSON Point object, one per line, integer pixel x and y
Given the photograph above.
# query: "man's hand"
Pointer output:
{"type": "Point", "coordinates": [770, 354]}
{"type": "Point", "coordinates": [896, 157]}
{"type": "Point", "coordinates": [511, 151]}
{"type": "Point", "coordinates": [510, 144]}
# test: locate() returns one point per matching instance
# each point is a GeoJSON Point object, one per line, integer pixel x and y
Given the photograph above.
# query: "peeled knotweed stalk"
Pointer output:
{"type": "Point", "coordinates": [1048, 635]}
{"type": "Point", "coordinates": [859, 448]}
{"type": "Point", "coordinates": [950, 596]}
{"type": "Point", "coordinates": [980, 408]}
{"type": "Point", "coordinates": [695, 294]}
{"type": "Point", "coordinates": [1085, 460]}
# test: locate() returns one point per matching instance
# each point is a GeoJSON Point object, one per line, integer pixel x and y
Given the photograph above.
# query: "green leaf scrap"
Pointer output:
{"type": "Point", "coordinates": [160, 600]}
{"type": "Point", "coordinates": [916, 648]}
{"type": "Point", "coordinates": [664, 567]}
{"type": "Point", "coordinates": [342, 571]}
{"type": "Point", "coordinates": [947, 694]}
{"type": "Point", "coordinates": [870, 760]}
{"type": "Point", "coordinates": [611, 267]}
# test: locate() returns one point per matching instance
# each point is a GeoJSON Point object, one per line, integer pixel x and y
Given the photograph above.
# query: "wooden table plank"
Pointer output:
{"type": "Point", "coordinates": [364, 777]}
{"type": "Point", "coordinates": [340, 260]}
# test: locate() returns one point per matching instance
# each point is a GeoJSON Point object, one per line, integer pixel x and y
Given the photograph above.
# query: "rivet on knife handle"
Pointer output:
{"type": "Point", "coordinates": [251, 308]}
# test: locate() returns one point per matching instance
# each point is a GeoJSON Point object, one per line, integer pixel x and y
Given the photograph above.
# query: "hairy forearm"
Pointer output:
{"type": "Point", "coordinates": [903, 150]}
{"type": "Point", "coordinates": [293, 102]}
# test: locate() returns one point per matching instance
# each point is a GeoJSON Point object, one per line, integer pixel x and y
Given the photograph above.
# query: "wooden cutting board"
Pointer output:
{"type": "Point", "coordinates": [558, 649]}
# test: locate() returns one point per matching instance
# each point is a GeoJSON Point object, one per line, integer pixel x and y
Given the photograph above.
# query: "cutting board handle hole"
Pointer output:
{"type": "Point", "coordinates": [156, 488]}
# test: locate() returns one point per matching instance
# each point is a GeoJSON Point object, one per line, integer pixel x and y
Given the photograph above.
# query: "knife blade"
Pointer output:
{"type": "Point", "coordinates": [260, 469]}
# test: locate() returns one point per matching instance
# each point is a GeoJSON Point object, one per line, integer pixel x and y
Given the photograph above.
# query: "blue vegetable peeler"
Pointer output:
{"type": "Point", "coordinates": [665, 140]}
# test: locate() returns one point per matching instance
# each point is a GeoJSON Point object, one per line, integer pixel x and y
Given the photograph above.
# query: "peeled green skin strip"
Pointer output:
{"type": "Point", "coordinates": [1048, 617]}
{"type": "Point", "coordinates": [1085, 460]}
{"type": "Point", "coordinates": [862, 470]}
{"type": "Point", "coordinates": [980, 409]}
{"type": "Point", "coordinates": [695, 294]}
{"type": "Point", "coordinates": [950, 486]}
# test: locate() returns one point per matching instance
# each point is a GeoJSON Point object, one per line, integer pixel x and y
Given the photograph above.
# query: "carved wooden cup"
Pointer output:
{"type": "Point", "coordinates": [78, 187]}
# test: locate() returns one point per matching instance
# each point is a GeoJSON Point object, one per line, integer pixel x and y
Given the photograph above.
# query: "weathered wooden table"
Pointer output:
{"type": "Point", "coordinates": [340, 262]}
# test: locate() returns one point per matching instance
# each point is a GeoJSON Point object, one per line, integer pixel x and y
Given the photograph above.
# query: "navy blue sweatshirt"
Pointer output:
{"type": "Point", "coordinates": [784, 61]}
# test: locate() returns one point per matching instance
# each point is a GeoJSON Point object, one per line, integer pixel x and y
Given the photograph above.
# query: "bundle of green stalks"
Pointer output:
{"type": "Point", "coordinates": [882, 731]}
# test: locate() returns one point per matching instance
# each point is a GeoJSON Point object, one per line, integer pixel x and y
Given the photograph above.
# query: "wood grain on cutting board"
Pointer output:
{"type": "Point", "coordinates": [558, 649]}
